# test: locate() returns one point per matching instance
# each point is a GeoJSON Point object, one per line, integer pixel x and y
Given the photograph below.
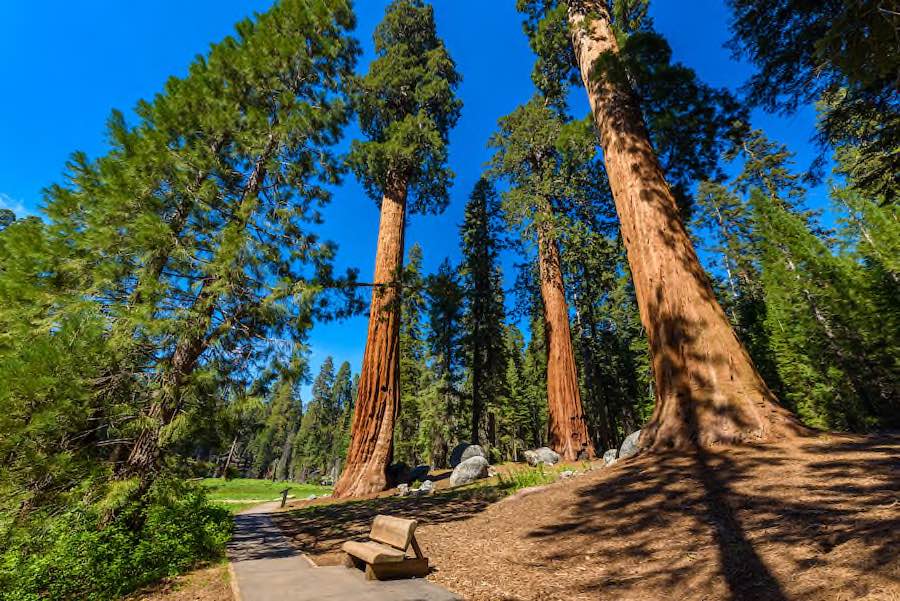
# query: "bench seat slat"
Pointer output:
{"type": "Point", "coordinates": [372, 552]}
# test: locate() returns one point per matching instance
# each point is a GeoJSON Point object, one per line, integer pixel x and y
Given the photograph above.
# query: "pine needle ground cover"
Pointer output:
{"type": "Point", "coordinates": [808, 521]}
{"type": "Point", "coordinates": [210, 583]}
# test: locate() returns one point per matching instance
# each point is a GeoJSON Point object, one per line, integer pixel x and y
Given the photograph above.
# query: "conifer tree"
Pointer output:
{"type": "Point", "coordinates": [414, 373]}
{"type": "Point", "coordinates": [708, 389]}
{"type": "Point", "coordinates": [592, 264]}
{"type": "Point", "coordinates": [817, 395]}
{"type": "Point", "coordinates": [810, 284]}
{"type": "Point", "coordinates": [343, 402]}
{"type": "Point", "coordinates": [444, 295]}
{"type": "Point", "coordinates": [804, 303]}
{"type": "Point", "coordinates": [484, 305]}
{"type": "Point", "coordinates": [281, 113]}
{"type": "Point", "coordinates": [189, 237]}
{"type": "Point", "coordinates": [550, 167]}
{"type": "Point", "coordinates": [406, 106]}
{"type": "Point", "coordinates": [53, 347]}
{"type": "Point", "coordinates": [534, 379]}
{"type": "Point", "coordinates": [513, 407]}
{"type": "Point", "coordinates": [842, 54]}
{"type": "Point", "coordinates": [274, 444]}
{"type": "Point", "coordinates": [316, 439]}
{"type": "Point", "coordinates": [727, 222]}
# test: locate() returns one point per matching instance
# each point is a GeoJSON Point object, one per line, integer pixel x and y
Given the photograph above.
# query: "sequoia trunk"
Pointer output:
{"type": "Point", "coordinates": [378, 397]}
{"type": "Point", "coordinates": [708, 390]}
{"type": "Point", "coordinates": [568, 429]}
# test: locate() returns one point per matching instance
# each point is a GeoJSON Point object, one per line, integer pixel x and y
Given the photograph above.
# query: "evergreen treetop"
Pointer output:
{"type": "Point", "coordinates": [407, 106]}
{"type": "Point", "coordinates": [689, 122]}
{"type": "Point", "coordinates": [840, 53]}
{"type": "Point", "coordinates": [551, 165]}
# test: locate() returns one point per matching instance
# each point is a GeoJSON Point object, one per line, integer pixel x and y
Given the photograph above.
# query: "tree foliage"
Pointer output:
{"type": "Point", "coordinates": [841, 53]}
{"type": "Point", "coordinates": [689, 121]}
{"type": "Point", "coordinates": [407, 106]}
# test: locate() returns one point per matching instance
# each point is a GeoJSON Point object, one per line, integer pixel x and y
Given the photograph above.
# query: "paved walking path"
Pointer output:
{"type": "Point", "coordinates": [266, 567]}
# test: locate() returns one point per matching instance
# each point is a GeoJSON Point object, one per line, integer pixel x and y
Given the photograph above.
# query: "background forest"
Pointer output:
{"type": "Point", "coordinates": [158, 315]}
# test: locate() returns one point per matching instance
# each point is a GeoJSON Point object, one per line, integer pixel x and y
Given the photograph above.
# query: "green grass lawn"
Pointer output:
{"type": "Point", "coordinates": [252, 492]}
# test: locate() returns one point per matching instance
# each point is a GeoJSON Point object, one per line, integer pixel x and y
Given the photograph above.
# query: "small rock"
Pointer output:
{"type": "Point", "coordinates": [464, 451]}
{"type": "Point", "coordinates": [403, 490]}
{"type": "Point", "coordinates": [427, 487]}
{"type": "Point", "coordinates": [473, 468]}
{"type": "Point", "coordinates": [310, 497]}
{"type": "Point", "coordinates": [541, 455]}
{"type": "Point", "coordinates": [492, 471]}
{"type": "Point", "coordinates": [630, 446]}
{"type": "Point", "coordinates": [609, 457]}
{"type": "Point", "coordinates": [566, 474]}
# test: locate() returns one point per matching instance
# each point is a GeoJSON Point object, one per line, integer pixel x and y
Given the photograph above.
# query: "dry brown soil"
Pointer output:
{"type": "Point", "coordinates": [813, 520]}
{"type": "Point", "coordinates": [205, 584]}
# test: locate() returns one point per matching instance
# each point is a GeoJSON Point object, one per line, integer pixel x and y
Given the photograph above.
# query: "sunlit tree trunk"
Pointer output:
{"type": "Point", "coordinates": [567, 426]}
{"type": "Point", "coordinates": [708, 390]}
{"type": "Point", "coordinates": [378, 397]}
{"type": "Point", "coordinates": [224, 474]}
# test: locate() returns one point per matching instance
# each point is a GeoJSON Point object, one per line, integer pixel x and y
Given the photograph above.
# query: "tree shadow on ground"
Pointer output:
{"type": "Point", "coordinates": [811, 521]}
{"type": "Point", "coordinates": [321, 529]}
{"type": "Point", "coordinates": [257, 537]}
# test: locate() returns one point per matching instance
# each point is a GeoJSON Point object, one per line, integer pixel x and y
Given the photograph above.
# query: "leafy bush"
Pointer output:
{"type": "Point", "coordinates": [73, 556]}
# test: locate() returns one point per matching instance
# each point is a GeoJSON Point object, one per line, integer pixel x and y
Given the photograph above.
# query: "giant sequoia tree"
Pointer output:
{"type": "Point", "coordinates": [707, 388]}
{"type": "Point", "coordinates": [550, 166]}
{"type": "Point", "coordinates": [406, 106]}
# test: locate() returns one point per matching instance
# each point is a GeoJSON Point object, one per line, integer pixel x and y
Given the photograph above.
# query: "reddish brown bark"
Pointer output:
{"type": "Point", "coordinates": [378, 397]}
{"type": "Point", "coordinates": [567, 427]}
{"type": "Point", "coordinates": [708, 390]}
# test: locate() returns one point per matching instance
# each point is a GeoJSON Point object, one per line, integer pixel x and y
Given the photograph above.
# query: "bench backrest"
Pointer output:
{"type": "Point", "coordinates": [395, 532]}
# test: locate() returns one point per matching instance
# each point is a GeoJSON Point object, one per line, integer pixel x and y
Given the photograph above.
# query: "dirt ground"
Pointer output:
{"type": "Point", "coordinates": [815, 520]}
{"type": "Point", "coordinates": [205, 584]}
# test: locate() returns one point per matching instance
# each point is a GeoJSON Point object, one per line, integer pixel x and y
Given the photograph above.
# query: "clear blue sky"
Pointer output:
{"type": "Point", "coordinates": [66, 64]}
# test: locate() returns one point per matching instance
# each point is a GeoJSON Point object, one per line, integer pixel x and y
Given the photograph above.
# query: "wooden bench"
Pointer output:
{"type": "Point", "coordinates": [384, 555]}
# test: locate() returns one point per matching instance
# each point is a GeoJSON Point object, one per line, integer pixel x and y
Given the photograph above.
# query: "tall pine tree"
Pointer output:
{"type": "Point", "coordinates": [549, 166]}
{"type": "Point", "coordinates": [485, 313]}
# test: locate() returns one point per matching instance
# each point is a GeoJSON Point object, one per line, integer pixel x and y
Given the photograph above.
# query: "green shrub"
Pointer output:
{"type": "Point", "coordinates": [526, 477]}
{"type": "Point", "coordinates": [73, 557]}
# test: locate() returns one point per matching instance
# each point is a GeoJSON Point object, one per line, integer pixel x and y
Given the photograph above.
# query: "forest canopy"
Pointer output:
{"type": "Point", "coordinates": [637, 254]}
